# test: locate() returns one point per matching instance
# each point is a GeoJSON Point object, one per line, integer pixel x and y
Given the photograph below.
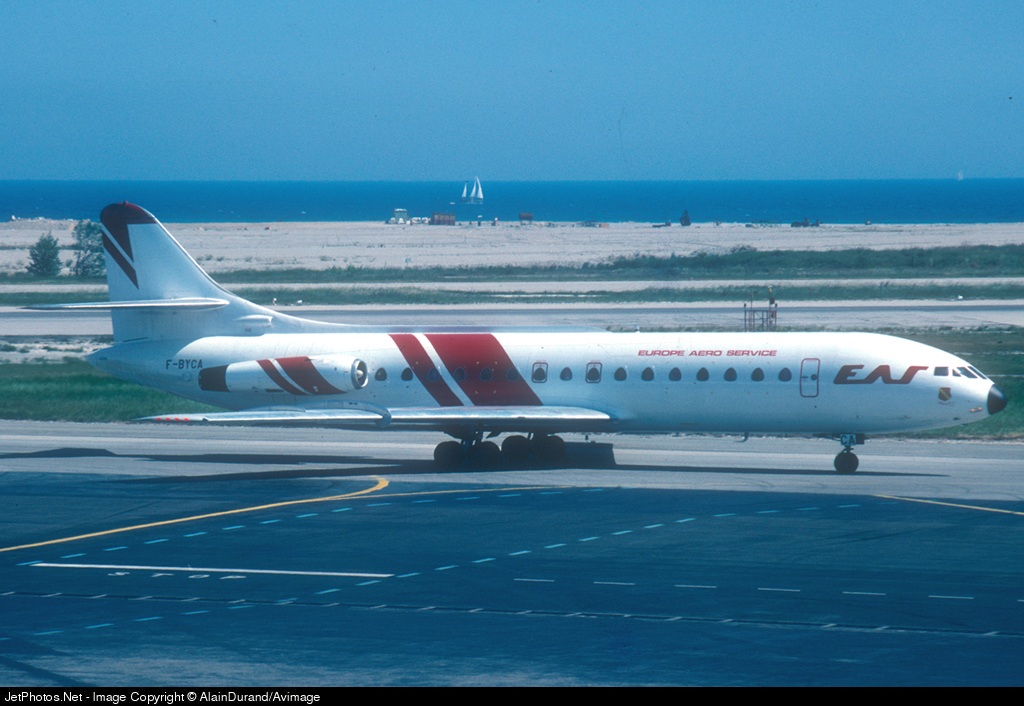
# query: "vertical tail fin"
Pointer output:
{"type": "Point", "coordinates": [157, 291]}
{"type": "Point", "coordinates": [145, 262]}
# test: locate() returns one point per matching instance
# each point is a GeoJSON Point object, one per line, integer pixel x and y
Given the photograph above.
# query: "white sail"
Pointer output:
{"type": "Point", "coordinates": [478, 191]}
{"type": "Point", "coordinates": [465, 188]}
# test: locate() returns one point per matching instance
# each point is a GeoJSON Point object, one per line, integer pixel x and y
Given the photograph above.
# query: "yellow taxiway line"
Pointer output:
{"type": "Point", "coordinates": [379, 485]}
{"type": "Point", "coordinates": [962, 506]}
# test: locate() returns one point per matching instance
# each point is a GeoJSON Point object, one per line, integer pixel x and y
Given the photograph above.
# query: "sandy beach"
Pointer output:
{"type": "Point", "coordinates": [221, 247]}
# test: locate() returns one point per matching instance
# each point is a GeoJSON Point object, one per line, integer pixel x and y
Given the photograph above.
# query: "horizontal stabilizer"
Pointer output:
{"type": "Point", "coordinates": [162, 304]}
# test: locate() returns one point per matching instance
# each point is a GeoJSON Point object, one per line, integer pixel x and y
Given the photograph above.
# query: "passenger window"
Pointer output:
{"type": "Point", "coordinates": [459, 374]}
{"type": "Point", "coordinates": [486, 374]}
{"type": "Point", "coordinates": [433, 375]}
{"type": "Point", "coordinates": [703, 375]}
{"type": "Point", "coordinates": [593, 372]}
{"type": "Point", "coordinates": [757, 375]}
{"type": "Point", "coordinates": [785, 375]}
{"type": "Point", "coordinates": [674, 375]}
{"type": "Point", "coordinates": [540, 372]}
{"type": "Point", "coordinates": [511, 374]}
{"type": "Point", "coordinates": [381, 374]}
{"type": "Point", "coordinates": [407, 374]}
{"type": "Point", "coordinates": [730, 374]}
{"type": "Point", "coordinates": [620, 374]}
{"type": "Point", "coordinates": [647, 375]}
{"type": "Point", "coordinates": [566, 374]}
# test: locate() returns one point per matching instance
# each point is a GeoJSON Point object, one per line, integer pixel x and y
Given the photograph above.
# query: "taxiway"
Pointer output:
{"type": "Point", "coordinates": [134, 554]}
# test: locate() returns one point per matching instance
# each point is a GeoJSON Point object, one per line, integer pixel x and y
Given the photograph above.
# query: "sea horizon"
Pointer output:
{"type": "Point", "coordinates": [742, 201]}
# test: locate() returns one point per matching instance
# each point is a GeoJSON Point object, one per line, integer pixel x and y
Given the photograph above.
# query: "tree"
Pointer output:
{"type": "Point", "coordinates": [44, 257]}
{"type": "Point", "coordinates": [88, 249]}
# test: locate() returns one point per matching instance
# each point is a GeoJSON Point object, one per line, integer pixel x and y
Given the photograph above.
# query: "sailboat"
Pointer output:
{"type": "Point", "coordinates": [474, 196]}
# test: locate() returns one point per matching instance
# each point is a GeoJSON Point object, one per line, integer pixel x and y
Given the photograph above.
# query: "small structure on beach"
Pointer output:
{"type": "Point", "coordinates": [438, 218]}
{"type": "Point", "coordinates": [758, 318]}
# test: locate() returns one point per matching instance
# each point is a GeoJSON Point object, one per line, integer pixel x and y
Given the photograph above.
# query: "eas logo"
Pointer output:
{"type": "Point", "coordinates": [847, 375]}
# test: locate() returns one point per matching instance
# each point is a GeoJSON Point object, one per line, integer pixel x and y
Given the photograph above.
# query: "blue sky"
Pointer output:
{"type": "Point", "coordinates": [511, 90]}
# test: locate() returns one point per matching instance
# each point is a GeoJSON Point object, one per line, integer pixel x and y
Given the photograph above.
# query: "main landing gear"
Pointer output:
{"type": "Point", "coordinates": [847, 461]}
{"type": "Point", "coordinates": [516, 450]}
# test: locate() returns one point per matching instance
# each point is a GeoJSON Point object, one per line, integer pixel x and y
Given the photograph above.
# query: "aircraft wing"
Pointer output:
{"type": "Point", "coordinates": [532, 418]}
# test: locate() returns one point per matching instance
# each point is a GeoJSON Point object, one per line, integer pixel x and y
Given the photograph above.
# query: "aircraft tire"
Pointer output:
{"type": "Point", "coordinates": [846, 462]}
{"type": "Point", "coordinates": [485, 454]}
{"type": "Point", "coordinates": [448, 454]}
{"type": "Point", "coordinates": [516, 449]}
{"type": "Point", "coordinates": [549, 449]}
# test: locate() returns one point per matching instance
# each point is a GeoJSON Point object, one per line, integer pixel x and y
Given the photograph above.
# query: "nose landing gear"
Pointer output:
{"type": "Point", "coordinates": [847, 461]}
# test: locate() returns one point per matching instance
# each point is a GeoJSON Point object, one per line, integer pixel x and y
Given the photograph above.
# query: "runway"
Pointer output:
{"type": "Point", "coordinates": [135, 555]}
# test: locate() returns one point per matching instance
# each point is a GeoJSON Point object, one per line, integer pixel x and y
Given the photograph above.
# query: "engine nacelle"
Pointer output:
{"type": "Point", "coordinates": [296, 375]}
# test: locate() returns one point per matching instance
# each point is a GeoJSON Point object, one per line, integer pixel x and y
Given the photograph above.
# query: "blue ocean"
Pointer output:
{"type": "Point", "coordinates": [881, 201]}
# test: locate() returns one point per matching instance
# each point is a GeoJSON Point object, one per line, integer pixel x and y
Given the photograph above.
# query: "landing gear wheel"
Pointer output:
{"type": "Point", "coordinates": [485, 454]}
{"type": "Point", "coordinates": [449, 454]}
{"type": "Point", "coordinates": [516, 449]}
{"type": "Point", "coordinates": [846, 461]}
{"type": "Point", "coordinates": [549, 449]}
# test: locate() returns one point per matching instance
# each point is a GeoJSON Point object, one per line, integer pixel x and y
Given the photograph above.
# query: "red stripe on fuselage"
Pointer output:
{"type": "Point", "coordinates": [484, 369]}
{"type": "Point", "coordinates": [419, 361]}
{"type": "Point", "coordinates": [302, 371]}
{"type": "Point", "coordinates": [279, 379]}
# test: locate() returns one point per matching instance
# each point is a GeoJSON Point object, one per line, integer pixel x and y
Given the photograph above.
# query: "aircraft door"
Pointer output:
{"type": "Point", "coordinates": [809, 369]}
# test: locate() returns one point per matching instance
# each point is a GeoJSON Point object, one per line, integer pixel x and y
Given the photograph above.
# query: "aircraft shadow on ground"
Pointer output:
{"type": "Point", "coordinates": [327, 466]}
{"type": "Point", "coordinates": [748, 471]}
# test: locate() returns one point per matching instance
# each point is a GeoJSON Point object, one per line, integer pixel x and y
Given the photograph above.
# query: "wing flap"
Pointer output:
{"type": "Point", "coordinates": [521, 418]}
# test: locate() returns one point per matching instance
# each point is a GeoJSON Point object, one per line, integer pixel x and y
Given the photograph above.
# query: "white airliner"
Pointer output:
{"type": "Point", "coordinates": [177, 330]}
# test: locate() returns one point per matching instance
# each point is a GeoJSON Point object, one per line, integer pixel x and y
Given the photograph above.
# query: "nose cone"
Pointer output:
{"type": "Point", "coordinates": [996, 400]}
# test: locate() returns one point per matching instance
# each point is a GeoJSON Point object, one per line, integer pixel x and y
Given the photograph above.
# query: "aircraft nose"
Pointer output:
{"type": "Point", "coordinates": [996, 400]}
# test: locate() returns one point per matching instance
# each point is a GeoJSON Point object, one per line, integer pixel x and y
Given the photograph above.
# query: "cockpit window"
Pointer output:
{"type": "Point", "coordinates": [967, 373]}
{"type": "Point", "coordinates": [941, 371]}
{"type": "Point", "coordinates": [977, 372]}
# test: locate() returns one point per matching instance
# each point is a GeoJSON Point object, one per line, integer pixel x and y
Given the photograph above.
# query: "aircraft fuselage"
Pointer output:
{"type": "Point", "coordinates": [817, 383]}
